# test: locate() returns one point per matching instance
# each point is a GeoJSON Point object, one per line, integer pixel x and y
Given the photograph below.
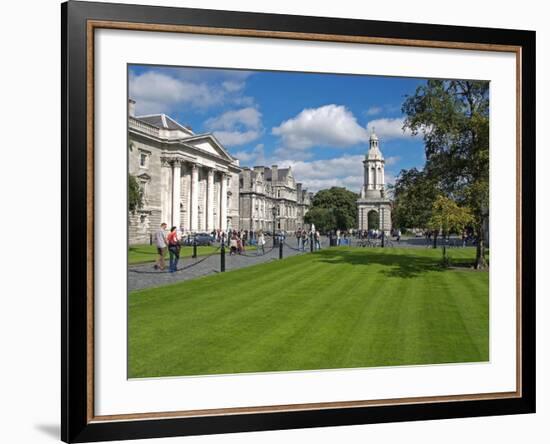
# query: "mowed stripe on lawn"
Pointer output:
{"type": "Point", "coordinates": [336, 308]}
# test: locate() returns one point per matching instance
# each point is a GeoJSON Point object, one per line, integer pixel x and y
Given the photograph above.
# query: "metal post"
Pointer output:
{"type": "Point", "coordinates": [383, 227]}
{"type": "Point", "coordinates": [194, 246]}
{"type": "Point", "coordinates": [273, 234]}
{"type": "Point", "coordinates": [222, 254]}
{"type": "Point", "coordinates": [150, 238]}
{"type": "Point", "coordinates": [311, 242]}
{"type": "Point", "coordinates": [280, 250]}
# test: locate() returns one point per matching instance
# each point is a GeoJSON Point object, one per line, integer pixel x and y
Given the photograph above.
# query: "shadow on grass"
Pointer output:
{"type": "Point", "coordinates": [142, 250]}
{"type": "Point", "coordinates": [401, 265]}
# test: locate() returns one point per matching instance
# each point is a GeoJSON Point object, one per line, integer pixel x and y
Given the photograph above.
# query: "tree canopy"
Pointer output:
{"type": "Point", "coordinates": [334, 208]}
{"type": "Point", "coordinates": [135, 199]}
{"type": "Point", "coordinates": [453, 118]}
{"type": "Point", "coordinates": [414, 194]}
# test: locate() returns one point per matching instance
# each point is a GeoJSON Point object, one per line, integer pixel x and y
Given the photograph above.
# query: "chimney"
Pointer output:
{"type": "Point", "coordinates": [131, 108]}
{"type": "Point", "coordinates": [274, 173]}
{"type": "Point", "coordinates": [245, 173]}
{"type": "Point", "coordinates": [299, 192]}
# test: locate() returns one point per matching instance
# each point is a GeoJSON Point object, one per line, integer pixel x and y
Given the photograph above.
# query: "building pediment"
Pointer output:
{"type": "Point", "coordinates": [209, 144]}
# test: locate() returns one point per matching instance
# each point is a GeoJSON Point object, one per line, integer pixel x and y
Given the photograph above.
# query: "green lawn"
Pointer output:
{"type": "Point", "coordinates": [141, 254]}
{"type": "Point", "coordinates": [337, 308]}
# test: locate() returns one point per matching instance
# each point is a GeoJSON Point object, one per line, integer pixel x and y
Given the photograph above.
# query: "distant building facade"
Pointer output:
{"type": "Point", "coordinates": [262, 189]}
{"type": "Point", "coordinates": [187, 180]}
{"type": "Point", "coordinates": [373, 207]}
{"type": "Point", "coordinates": [191, 181]}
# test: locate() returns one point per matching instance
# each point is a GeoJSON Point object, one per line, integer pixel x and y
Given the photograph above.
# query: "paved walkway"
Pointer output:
{"type": "Point", "coordinates": [144, 276]}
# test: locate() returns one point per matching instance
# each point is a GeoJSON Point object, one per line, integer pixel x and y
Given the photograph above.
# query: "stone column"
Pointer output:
{"type": "Point", "coordinates": [194, 223]}
{"type": "Point", "coordinates": [223, 202]}
{"type": "Point", "coordinates": [176, 192]}
{"type": "Point", "coordinates": [210, 224]}
{"type": "Point", "coordinates": [165, 190]}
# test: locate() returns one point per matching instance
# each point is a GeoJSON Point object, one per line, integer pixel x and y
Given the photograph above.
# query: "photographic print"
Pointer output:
{"type": "Point", "coordinates": [275, 221]}
{"type": "Point", "coordinates": [297, 221]}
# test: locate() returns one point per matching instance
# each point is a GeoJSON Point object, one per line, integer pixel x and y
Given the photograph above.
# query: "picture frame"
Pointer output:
{"type": "Point", "coordinates": [80, 20]}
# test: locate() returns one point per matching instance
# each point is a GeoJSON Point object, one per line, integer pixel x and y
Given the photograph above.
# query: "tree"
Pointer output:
{"type": "Point", "coordinates": [323, 218]}
{"type": "Point", "coordinates": [448, 217]}
{"type": "Point", "coordinates": [453, 116]}
{"type": "Point", "coordinates": [414, 194]}
{"type": "Point", "coordinates": [135, 198]}
{"type": "Point", "coordinates": [342, 205]}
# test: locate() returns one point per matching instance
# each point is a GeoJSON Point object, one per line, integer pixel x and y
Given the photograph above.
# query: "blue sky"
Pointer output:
{"type": "Point", "coordinates": [317, 123]}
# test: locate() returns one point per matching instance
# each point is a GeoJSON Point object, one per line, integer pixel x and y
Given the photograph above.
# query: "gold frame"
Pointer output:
{"type": "Point", "coordinates": [92, 25]}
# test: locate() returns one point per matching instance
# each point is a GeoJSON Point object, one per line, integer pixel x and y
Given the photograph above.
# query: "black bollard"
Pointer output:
{"type": "Point", "coordinates": [194, 247]}
{"type": "Point", "coordinates": [311, 242]}
{"type": "Point", "coordinates": [280, 250]}
{"type": "Point", "coordinates": [222, 256]}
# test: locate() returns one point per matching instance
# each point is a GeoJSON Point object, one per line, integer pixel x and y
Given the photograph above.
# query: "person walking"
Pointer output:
{"type": "Point", "coordinates": [298, 235]}
{"type": "Point", "coordinates": [317, 240]}
{"type": "Point", "coordinates": [160, 242]}
{"type": "Point", "coordinates": [173, 249]}
{"type": "Point", "coordinates": [233, 245]}
{"type": "Point", "coordinates": [260, 243]}
{"type": "Point", "coordinates": [304, 240]}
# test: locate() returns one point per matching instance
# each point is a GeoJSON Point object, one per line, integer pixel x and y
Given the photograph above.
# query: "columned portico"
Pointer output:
{"type": "Point", "coordinates": [189, 180]}
{"type": "Point", "coordinates": [176, 192]}
{"type": "Point", "coordinates": [223, 202]}
{"type": "Point", "coordinates": [210, 223]}
{"type": "Point", "coordinates": [194, 224]}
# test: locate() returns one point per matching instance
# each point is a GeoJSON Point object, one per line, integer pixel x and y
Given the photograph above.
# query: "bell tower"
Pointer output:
{"type": "Point", "coordinates": [373, 196]}
{"type": "Point", "coordinates": [373, 174]}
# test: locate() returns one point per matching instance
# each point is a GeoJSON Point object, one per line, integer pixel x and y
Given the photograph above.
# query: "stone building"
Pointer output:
{"type": "Point", "coordinates": [187, 180]}
{"type": "Point", "coordinates": [261, 189]}
{"type": "Point", "coordinates": [373, 207]}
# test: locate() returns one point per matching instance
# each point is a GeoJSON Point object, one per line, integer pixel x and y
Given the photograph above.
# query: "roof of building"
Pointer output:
{"type": "Point", "coordinates": [282, 173]}
{"type": "Point", "coordinates": [163, 121]}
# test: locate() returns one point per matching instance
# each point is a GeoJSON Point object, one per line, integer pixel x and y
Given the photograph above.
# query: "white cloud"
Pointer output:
{"type": "Point", "coordinates": [236, 127]}
{"type": "Point", "coordinates": [156, 92]}
{"type": "Point", "coordinates": [246, 117]}
{"type": "Point", "coordinates": [164, 90]}
{"type": "Point", "coordinates": [232, 85]}
{"type": "Point", "coordinates": [373, 111]}
{"type": "Point", "coordinates": [329, 125]}
{"type": "Point", "coordinates": [389, 128]}
{"type": "Point", "coordinates": [251, 158]}
{"type": "Point", "coordinates": [235, 138]}
{"type": "Point", "coordinates": [345, 171]}
{"type": "Point", "coordinates": [392, 160]}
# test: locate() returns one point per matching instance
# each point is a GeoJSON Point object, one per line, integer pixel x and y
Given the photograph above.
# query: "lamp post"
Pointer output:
{"type": "Point", "coordinates": [274, 212]}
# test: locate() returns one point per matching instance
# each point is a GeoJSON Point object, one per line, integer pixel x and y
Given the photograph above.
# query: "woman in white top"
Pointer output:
{"type": "Point", "coordinates": [261, 243]}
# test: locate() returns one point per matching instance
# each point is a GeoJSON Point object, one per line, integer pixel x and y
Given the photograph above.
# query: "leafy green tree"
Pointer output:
{"type": "Point", "coordinates": [448, 217]}
{"type": "Point", "coordinates": [323, 218]}
{"type": "Point", "coordinates": [135, 198]}
{"type": "Point", "coordinates": [341, 204]}
{"type": "Point", "coordinates": [453, 117]}
{"type": "Point", "coordinates": [414, 194]}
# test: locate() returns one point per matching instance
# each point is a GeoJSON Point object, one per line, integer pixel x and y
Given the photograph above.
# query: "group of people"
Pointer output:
{"type": "Point", "coordinates": [238, 240]}
{"type": "Point", "coordinates": [304, 237]}
{"type": "Point", "coordinates": [172, 241]}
